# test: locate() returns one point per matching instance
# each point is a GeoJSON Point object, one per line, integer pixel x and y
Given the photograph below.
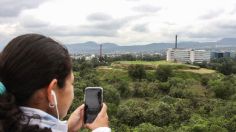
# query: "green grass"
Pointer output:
{"type": "Point", "coordinates": [200, 71]}
{"type": "Point", "coordinates": [108, 74]}
{"type": "Point", "coordinates": [151, 65]}
{"type": "Point", "coordinates": [148, 63]}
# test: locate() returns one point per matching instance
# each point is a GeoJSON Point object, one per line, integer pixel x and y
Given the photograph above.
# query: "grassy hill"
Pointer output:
{"type": "Point", "coordinates": [152, 65]}
{"type": "Point", "coordinates": [191, 100]}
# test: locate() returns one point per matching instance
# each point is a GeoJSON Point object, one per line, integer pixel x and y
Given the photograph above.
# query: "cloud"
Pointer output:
{"type": "Point", "coordinates": [32, 22]}
{"type": "Point", "coordinates": [141, 28]}
{"type": "Point", "coordinates": [203, 35]}
{"type": "Point", "coordinates": [211, 14]}
{"type": "Point", "coordinates": [169, 23]}
{"type": "Point", "coordinates": [227, 28]}
{"type": "Point", "coordinates": [111, 25]}
{"type": "Point", "coordinates": [99, 17]}
{"type": "Point", "coordinates": [12, 8]}
{"type": "Point", "coordinates": [215, 30]}
{"type": "Point", "coordinates": [79, 31]}
{"type": "Point", "coordinates": [233, 11]}
{"type": "Point", "coordinates": [227, 24]}
{"type": "Point", "coordinates": [147, 9]}
{"type": "Point", "coordinates": [108, 28]}
{"type": "Point", "coordinates": [101, 29]}
{"type": "Point", "coordinates": [7, 20]}
{"type": "Point", "coordinates": [133, 0]}
{"type": "Point", "coordinates": [210, 33]}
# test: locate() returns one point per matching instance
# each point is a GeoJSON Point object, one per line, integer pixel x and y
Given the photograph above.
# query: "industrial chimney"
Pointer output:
{"type": "Point", "coordinates": [100, 58]}
{"type": "Point", "coordinates": [176, 41]}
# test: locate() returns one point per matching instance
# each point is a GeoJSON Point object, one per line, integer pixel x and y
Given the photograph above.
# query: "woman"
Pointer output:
{"type": "Point", "coordinates": [36, 88]}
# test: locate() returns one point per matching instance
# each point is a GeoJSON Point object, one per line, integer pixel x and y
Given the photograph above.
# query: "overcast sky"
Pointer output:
{"type": "Point", "coordinates": [125, 22]}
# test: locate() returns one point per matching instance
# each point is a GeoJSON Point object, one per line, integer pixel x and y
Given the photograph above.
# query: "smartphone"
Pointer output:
{"type": "Point", "coordinates": [93, 98]}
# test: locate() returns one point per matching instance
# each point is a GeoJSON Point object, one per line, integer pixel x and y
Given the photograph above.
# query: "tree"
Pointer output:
{"type": "Point", "coordinates": [164, 87]}
{"type": "Point", "coordinates": [223, 88]}
{"type": "Point", "coordinates": [143, 89]}
{"type": "Point", "coordinates": [182, 110]}
{"type": "Point", "coordinates": [160, 115]}
{"type": "Point", "coordinates": [123, 88]}
{"type": "Point", "coordinates": [137, 72]}
{"type": "Point", "coordinates": [163, 72]}
{"type": "Point", "coordinates": [198, 123]}
{"type": "Point", "coordinates": [85, 68]}
{"type": "Point", "coordinates": [226, 66]}
{"type": "Point", "coordinates": [204, 80]}
{"type": "Point", "coordinates": [111, 95]}
{"type": "Point", "coordinates": [147, 127]}
{"type": "Point", "coordinates": [132, 112]}
{"type": "Point", "coordinates": [231, 125]}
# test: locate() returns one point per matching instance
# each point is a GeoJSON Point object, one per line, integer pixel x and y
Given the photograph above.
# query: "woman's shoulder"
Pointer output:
{"type": "Point", "coordinates": [43, 120]}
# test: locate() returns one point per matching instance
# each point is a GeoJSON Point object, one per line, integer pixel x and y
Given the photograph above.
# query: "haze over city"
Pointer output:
{"type": "Point", "coordinates": [125, 22]}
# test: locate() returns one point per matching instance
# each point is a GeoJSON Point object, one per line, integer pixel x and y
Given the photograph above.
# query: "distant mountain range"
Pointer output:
{"type": "Point", "coordinates": [91, 47]}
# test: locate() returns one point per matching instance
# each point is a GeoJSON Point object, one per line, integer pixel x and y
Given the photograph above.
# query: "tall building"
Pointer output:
{"type": "Point", "coordinates": [221, 54]}
{"type": "Point", "coordinates": [188, 55]}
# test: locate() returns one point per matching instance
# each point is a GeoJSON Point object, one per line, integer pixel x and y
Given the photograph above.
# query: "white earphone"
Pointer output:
{"type": "Point", "coordinates": [54, 97]}
{"type": "Point", "coordinates": [55, 101]}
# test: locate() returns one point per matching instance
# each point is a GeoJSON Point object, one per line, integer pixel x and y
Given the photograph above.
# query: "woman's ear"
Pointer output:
{"type": "Point", "coordinates": [51, 87]}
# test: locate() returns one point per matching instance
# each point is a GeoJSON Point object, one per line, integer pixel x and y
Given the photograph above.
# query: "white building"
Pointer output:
{"type": "Point", "coordinates": [199, 56]}
{"type": "Point", "coordinates": [90, 57]}
{"type": "Point", "coordinates": [180, 55]}
{"type": "Point", "coordinates": [187, 55]}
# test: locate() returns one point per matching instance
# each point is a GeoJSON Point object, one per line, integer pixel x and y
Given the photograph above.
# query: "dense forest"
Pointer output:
{"type": "Point", "coordinates": [163, 98]}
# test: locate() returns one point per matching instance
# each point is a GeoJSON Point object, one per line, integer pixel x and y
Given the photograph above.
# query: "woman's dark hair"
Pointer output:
{"type": "Point", "coordinates": [29, 62]}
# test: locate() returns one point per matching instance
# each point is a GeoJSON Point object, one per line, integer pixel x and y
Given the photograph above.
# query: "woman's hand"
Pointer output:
{"type": "Point", "coordinates": [76, 119]}
{"type": "Point", "coordinates": [101, 119]}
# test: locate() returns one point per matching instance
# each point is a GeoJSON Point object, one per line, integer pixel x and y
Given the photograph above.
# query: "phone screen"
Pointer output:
{"type": "Point", "coordinates": [93, 103]}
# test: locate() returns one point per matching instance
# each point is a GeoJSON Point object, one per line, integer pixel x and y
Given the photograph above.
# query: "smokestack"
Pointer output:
{"type": "Point", "coordinates": [100, 52]}
{"type": "Point", "coordinates": [176, 41]}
